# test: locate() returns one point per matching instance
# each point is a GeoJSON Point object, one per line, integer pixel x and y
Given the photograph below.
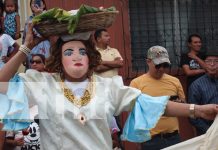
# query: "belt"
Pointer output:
{"type": "Point", "coordinates": [166, 135]}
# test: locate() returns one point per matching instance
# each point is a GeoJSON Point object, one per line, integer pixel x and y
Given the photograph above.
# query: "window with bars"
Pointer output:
{"type": "Point", "coordinates": [168, 23]}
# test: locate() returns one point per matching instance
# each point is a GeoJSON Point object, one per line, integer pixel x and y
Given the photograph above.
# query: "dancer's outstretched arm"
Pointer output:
{"type": "Point", "coordinates": [208, 111]}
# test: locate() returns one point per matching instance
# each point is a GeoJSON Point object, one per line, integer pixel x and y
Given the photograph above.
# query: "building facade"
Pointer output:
{"type": "Point", "coordinates": [141, 24]}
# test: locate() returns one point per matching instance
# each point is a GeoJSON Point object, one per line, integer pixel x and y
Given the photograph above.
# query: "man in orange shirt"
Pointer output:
{"type": "Point", "coordinates": [157, 83]}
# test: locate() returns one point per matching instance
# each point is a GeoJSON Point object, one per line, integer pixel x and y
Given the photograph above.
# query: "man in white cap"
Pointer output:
{"type": "Point", "coordinates": [157, 83]}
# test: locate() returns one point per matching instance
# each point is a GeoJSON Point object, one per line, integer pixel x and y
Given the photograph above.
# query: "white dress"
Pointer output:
{"type": "Point", "coordinates": [207, 141]}
{"type": "Point", "coordinates": [59, 126]}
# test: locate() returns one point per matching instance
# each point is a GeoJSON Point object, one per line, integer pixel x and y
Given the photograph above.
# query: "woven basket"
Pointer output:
{"type": "Point", "coordinates": [87, 22]}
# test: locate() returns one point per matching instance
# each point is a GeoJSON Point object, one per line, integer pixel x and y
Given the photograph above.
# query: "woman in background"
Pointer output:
{"type": "Point", "coordinates": [44, 46]}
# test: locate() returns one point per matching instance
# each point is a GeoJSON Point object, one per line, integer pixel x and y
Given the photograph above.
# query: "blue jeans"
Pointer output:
{"type": "Point", "coordinates": [158, 142]}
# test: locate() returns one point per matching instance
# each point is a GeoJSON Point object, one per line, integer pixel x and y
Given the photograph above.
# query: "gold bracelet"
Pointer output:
{"type": "Point", "coordinates": [24, 49]}
{"type": "Point", "coordinates": [192, 111]}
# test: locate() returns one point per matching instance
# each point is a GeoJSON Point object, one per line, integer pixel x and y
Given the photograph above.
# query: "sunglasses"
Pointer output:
{"type": "Point", "coordinates": [164, 65]}
{"type": "Point", "coordinates": [35, 61]}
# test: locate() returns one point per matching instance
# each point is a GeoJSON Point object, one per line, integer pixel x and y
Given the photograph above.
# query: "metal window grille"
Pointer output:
{"type": "Point", "coordinates": [168, 23]}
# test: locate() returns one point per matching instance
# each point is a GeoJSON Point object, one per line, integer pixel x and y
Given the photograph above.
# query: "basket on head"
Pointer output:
{"type": "Point", "coordinates": [87, 22]}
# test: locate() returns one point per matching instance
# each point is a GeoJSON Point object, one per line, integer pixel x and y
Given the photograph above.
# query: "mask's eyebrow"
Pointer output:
{"type": "Point", "coordinates": [82, 48]}
{"type": "Point", "coordinates": [68, 52]}
{"type": "Point", "coordinates": [69, 49]}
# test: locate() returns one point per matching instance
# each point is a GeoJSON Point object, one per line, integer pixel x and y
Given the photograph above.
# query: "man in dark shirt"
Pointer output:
{"type": "Point", "coordinates": [204, 90]}
{"type": "Point", "coordinates": [192, 62]}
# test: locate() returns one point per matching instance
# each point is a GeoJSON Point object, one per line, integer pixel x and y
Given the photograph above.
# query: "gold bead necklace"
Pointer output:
{"type": "Point", "coordinates": [79, 102]}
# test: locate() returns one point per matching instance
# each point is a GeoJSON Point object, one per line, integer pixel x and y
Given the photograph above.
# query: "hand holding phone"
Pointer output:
{"type": "Point", "coordinates": [174, 97]}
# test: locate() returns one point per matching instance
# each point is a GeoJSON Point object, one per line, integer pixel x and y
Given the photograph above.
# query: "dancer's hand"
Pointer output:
{"type": "Point", "coordinates": [31, 39]}
{"type": "Point", "coordinates": [208, 111]}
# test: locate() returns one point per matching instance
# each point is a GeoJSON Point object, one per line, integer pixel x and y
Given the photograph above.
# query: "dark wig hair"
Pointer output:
{"type": "Point", "coordinates": [54, 62]}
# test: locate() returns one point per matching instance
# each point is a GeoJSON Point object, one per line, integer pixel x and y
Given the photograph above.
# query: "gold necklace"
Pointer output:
{"type": "Point", "coordinates": [79, 102]}
{"type": "Point", "coordinates": [84, 100]}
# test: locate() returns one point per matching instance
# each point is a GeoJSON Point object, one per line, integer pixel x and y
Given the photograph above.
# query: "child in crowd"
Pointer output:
{"type": "Point", "coordinates": [8, 48]}
{"type": "Point", "coordinates": [2, 49]}
{"type": "Point", "coordinates": [12, 19]}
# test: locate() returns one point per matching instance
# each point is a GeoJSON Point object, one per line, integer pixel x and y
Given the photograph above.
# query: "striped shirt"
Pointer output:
{"type": "Point", "coordinates": [203, 91]}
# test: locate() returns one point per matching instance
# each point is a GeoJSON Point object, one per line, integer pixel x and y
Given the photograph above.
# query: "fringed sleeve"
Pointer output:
{"type": "Point", "coordinates": [144, 116]}
{"type": "Point", "coordinates": [14, 106]}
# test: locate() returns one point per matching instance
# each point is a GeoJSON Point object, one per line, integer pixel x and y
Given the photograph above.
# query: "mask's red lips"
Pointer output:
{"type": "Point", "coordinates": [78, 64]}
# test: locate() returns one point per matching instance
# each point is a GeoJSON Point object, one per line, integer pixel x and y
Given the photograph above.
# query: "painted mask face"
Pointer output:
{"type": "Point", "coordinates": [75, 60]}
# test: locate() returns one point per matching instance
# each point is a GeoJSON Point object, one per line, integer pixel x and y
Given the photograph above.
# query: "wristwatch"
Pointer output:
{"type": "Point", "coordinates": [192, 111]}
